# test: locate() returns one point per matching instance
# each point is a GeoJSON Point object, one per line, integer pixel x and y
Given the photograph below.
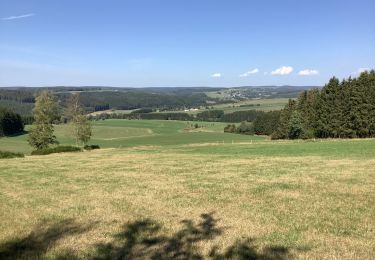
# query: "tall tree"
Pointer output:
{"type": "Point", "coordinates": [282, 132]}
{"type": "Point", "coordinates": [45, 113]}
{"type": "Point", "coordinates": [81, 126]}
{"type": "Point", "coordinates": [343, 109]}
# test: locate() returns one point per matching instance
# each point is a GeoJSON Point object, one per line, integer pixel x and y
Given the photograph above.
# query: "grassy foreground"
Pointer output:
{"type": "Point", "coordinates": [269, 200]}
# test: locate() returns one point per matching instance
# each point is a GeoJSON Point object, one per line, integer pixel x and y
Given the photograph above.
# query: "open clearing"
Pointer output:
{"type": "Point", "coordinates": [259, 198]}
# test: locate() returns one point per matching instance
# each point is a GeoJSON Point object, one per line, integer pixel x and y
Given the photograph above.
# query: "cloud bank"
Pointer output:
{"type": "Point", "coordinates": [216, 75]}
{"type": "Point", "coordinates": [248, 73]}
{"type": "Point", "coordinates": [284, 70]}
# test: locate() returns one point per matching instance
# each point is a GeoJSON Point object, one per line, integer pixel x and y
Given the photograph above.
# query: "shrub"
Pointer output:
{"type": "Point", "coordinates": [58, 149]}
{"type": "Point", "coordinates": [8, 155]}
{"type": "Point", "coordinates": [91, 147]}
{"type": "Point", "coordinates": [245, 128]}
{"type": "Point", "coordinates": [230, 129]}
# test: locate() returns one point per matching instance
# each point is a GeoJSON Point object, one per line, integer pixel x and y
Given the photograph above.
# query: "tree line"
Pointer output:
{"type": "Point", "coordinates": [207, 116]}
{"type": "Point", "coordinates": [341, 109]}
{"type": "Point", "coordinates": [265, 123]}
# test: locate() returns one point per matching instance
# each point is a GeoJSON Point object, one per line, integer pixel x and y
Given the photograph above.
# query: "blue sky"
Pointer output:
{"type": "Point", "coordinates": [171, 43]}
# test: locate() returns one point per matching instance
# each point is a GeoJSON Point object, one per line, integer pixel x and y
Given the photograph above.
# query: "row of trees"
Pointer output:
{"type": "Point", "coordinates": [10, 123]}
{"type": "Point", "coordinates": [208, 116]}
{"type": "Point", "coordinates": [264, 124]}
{"type": "Point", "coordinates": [245, 128]}
{"type": "Point", "coordinates": [343, 109]}
{"type": "Point", "coordinates": [46, 113]}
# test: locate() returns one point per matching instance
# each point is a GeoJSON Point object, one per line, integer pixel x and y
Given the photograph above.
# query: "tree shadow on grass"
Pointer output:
{"type": "Point", "coordinates": [37, 243]}
{"type": "Point", "coordinates": [144, 240]}
{"type": "Point", "coordinates": [141, 239]}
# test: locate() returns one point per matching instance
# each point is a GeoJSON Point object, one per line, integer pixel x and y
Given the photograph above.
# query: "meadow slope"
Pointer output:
{"type": "Point", "coordinates": [250, 198]}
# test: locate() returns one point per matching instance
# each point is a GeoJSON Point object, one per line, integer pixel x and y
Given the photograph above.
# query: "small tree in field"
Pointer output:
{"type": "Point", "coordinates": [45, 113]}
{"type": "Point", "coordinates": [81, 126]}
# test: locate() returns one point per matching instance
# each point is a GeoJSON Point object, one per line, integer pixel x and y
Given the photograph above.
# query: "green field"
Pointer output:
{"type": "Point", "coordinates": [160, 190]}
{"type": "Point", "coordinates": [117, 133]}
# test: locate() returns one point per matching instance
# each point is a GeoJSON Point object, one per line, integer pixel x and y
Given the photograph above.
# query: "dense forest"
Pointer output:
{"type": "Point", "coordinates": [343, 109]}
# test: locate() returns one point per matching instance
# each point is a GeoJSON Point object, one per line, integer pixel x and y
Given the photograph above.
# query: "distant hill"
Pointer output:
{"type": "Point", "coordinates": [97, 98]}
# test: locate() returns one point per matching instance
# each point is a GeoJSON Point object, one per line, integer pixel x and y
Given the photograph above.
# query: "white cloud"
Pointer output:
{"type": "Point", "coordinates": [360, 70]}
{"type": "Point", "coordinates": [248, 73]}
{"type": "Point", "coordinates": [284, 70]}
{"type": "Point", "coordinates": [308, 72]}
{"type": "Point", "coordinates": [216, 75]}
{"type": "Point", "coordinates": [18, 16]}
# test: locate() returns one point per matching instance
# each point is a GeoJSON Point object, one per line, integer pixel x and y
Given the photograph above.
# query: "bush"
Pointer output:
{"type": "Point", "coordinates": [8, 155]}
{"type": "Point", "coordinates": [91, 147]}
{"type": "Point", "coordinates": [58, 149]}
{"type": "Point", "coordinates": [230, 129]}
{"type": "Point", "coordinates": [245, 128]}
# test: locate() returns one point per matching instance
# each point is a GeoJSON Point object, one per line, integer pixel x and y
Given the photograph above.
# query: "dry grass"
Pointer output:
{"type": "Point", "coordinates": [312, 206]}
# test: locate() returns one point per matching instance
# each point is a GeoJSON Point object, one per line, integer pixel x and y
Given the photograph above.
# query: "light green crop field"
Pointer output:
{"type": "Point", "coordinates": [171, 193]}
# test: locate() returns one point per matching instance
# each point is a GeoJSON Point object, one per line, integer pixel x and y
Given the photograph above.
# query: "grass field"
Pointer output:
{"type": "Point", "coordinates": [170, 193]}
{"type": "Point", "coordinates": [116, 133]}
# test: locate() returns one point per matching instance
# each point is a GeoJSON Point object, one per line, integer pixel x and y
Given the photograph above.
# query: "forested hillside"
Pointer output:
{"type": "Point", "coordinates": [22, 99]}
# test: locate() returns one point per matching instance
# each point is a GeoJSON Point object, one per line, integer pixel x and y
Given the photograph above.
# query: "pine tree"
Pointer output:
{"type": "Point", "coordinates": [282, 131]}
{"type": "Point", "coordinates": [326, 120]}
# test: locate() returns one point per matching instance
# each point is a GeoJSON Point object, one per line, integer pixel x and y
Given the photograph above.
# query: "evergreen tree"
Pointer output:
{"type": "Point", "coordinates": [10, 123]}
{"type": "Point", "coordinates": [343, 109]}
{"type": "Point", "coordinates": [295, 126]}
{"type": "Point", "coordinates": [282, 132]}
{"type": "Point", "coordinates": [326, 109]}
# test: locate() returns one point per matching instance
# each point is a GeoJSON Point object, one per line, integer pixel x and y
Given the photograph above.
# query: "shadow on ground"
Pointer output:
{"type": "Point", "coordinates": [44, 236]}
{"type": "Point", "coordinates": [143, 239]}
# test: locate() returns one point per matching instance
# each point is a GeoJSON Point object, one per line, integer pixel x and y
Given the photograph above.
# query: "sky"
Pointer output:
{"type": "Point", "coordinates": [182, 43]}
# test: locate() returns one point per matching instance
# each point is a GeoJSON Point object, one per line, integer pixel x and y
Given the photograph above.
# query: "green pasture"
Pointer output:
{"type": "Point", "coordinates": [117, 133]}
{"type": "Point", "coordinates": [163, 189]}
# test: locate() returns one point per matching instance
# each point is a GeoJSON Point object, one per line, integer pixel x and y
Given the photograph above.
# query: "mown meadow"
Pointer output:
{"type": "Point", "coordinates": [165, 189]}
